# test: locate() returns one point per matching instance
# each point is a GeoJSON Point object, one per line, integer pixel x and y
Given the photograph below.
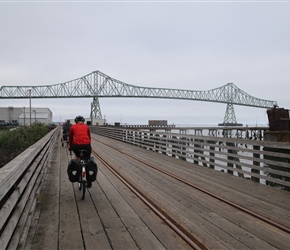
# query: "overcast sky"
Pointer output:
{"type": "Point", "coordinates": [196, 45]}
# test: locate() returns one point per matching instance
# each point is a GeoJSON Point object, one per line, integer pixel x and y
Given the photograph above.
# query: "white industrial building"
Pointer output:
{"type": "Point", "coordinates": [24, 115]}
{"type": "Point", "coordinates": [90, 121]}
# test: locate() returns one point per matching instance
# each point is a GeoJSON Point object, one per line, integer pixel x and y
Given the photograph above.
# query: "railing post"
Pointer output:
{"type": "Point", "coordinates": [256, 163]}
{"type": "Point", "coordinates": [211, 154]}
{"type": "Point", "coordinates": [230, 158]}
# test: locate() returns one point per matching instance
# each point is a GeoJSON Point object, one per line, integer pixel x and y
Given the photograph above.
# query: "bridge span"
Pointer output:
{"type": "Point", "coordinates": [98, 85]}
{"type": "Point", "coordinates": [148, 195]}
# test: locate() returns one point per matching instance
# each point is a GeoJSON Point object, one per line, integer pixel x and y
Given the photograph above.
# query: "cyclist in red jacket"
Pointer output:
{"type": "Point", "coordinates": [80, 137]}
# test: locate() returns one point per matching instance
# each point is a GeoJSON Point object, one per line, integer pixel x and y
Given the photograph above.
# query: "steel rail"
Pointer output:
{"type": "Point", "coordinates": [227, 201]}
{"type": "Point", "coordinates": [193, 242]}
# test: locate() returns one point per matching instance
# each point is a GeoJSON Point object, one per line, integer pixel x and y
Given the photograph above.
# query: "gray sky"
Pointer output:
{"type": "Point", "coordinates": [185, 45]}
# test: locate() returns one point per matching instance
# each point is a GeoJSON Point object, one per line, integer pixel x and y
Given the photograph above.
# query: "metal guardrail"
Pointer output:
{"type": "Point", "coordinates": [266, 162]}
{"type": "Point", "coordinates": [21, 181]}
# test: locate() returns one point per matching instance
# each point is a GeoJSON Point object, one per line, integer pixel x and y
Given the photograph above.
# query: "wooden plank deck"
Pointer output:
{"type": "Point", "coordinates": [112, 217]}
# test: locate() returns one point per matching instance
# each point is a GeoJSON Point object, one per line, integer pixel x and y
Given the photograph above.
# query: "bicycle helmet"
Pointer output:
{"type": "Point", "coordinates": [79, 118]}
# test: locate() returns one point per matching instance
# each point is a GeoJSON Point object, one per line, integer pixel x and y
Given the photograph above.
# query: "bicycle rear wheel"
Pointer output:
{"type": "Point", "coordinates": [83, 184]}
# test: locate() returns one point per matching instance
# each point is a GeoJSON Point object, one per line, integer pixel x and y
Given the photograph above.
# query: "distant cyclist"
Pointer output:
{"type": "Point", "coordinates": [66, 126]}
{"type": "Point", "coordinates": [80, 138]}
{"type": "Point", "coordinates": [65, 131]}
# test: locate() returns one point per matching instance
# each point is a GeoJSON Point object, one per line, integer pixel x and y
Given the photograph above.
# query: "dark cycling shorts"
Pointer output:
{"type": "Point", "coordinates": [77, 147]}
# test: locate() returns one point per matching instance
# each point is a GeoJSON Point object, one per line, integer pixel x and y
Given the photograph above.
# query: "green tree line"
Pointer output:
{"type": "Point", "coordinates": [14, 142]}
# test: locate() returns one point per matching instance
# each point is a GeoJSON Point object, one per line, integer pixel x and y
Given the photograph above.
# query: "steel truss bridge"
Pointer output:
{"type": "Point", "coordinates": [98, 84]}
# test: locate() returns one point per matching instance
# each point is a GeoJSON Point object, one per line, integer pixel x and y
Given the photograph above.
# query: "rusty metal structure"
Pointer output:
{"type": "Point", "coordinates": [157, 123]}
{"type": "Point", "coordinates": [99, 85]}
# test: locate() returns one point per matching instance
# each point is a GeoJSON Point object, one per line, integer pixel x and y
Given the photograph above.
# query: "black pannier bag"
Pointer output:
{"type": "Point", "coordinates": [73, 171]}
{"type": "Point", "coordinates": [91, 170]}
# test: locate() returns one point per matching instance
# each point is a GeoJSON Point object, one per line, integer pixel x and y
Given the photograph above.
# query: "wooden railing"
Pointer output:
{"type": "Point", "coordinates": [21, 181]}
{"type": "Point", "coordinates": [266, 162]}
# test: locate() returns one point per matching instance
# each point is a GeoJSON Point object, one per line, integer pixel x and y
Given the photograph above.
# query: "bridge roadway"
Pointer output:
{"type": "Point", "coordinates": [112, 217]}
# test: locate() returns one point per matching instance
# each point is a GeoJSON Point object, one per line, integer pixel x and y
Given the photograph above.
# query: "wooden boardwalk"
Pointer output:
{"type": "Point", "coordinates": [112, 217]}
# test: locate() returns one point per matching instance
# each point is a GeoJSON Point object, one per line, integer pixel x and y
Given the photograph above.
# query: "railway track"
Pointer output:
{"type": "Point", "coordinates": [175, 225]}
{"type": "Point", "coordinates": [188, 238]}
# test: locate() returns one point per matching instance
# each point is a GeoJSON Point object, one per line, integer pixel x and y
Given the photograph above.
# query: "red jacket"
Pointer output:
{"type": "Point", "coordinates": [79, 133]}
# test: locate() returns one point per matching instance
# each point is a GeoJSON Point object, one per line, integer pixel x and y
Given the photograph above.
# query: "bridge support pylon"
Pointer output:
{"type": "Point", "coordinates": [230, 117]}
{"type": "Point", "coordinates": [96, 109]}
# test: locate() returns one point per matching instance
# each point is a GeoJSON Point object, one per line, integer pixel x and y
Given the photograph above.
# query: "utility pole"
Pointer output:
{"type": "Point", "coordinates": [24, 116]}
{"type": "Point", "coordinates": [30, 104]}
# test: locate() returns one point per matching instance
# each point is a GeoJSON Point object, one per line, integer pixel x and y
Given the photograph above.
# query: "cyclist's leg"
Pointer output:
{"type": "Point", "coordinates": [67, 138]}
{"type": "Point", "coordinates": [76, 149]}
{"type": "Point", "coordinates": [89, 151]}
{"type": "Point", "coordinates": [64, 136]}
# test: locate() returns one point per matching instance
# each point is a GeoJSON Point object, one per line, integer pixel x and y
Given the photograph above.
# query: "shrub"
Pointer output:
{"type": "Point", "coordinates": [12, 143]}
